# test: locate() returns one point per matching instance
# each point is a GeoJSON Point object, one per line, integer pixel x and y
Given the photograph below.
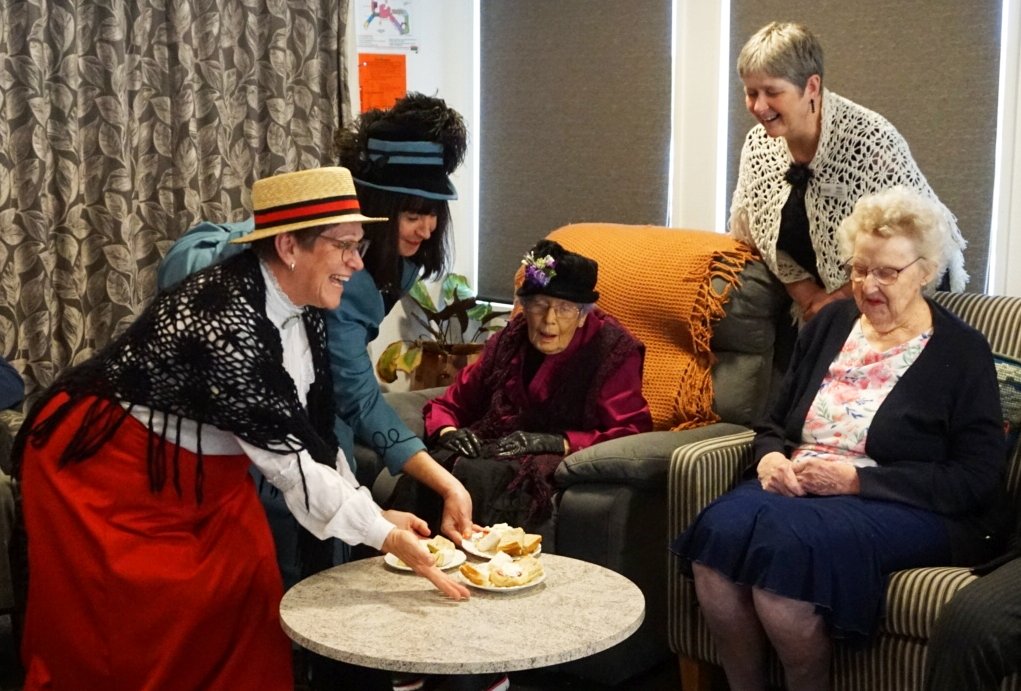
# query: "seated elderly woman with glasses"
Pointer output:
{"type": "Point", "coordinates": [884, 451]}
{"type": "Point", "coordinates": [563, 375]}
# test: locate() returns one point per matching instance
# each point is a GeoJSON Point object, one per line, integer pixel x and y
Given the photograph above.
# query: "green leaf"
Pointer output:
{"type": "Point", "coordinates": [495, 314]}
{"type": "Point", "coordinates": [455, 288]}
{"type": "Point", "coordinates": [411, 359]}
{"type": "Point", "coordinates": [480, 311]}
{"type": "Point", "coordinates": [386, 365]}
{"type": "Point", "coordinates": [420, 294]}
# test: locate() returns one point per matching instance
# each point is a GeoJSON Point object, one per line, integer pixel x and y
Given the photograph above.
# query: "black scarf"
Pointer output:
{"type": "Point", "coordinates": [205, 351]}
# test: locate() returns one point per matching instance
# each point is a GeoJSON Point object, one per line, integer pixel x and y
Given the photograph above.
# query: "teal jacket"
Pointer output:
{"type": "Point", "coordinates": [362, 413]}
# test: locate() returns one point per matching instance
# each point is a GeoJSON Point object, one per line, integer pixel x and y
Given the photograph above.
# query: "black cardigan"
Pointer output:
{"type": "Point", "coordinates": [937, 438]}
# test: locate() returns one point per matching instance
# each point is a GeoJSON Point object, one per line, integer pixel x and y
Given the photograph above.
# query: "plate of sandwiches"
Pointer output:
{"type": "Point", "coordinates": [445, 554]}
{"type": "Point", "coordinates": [504, 573]}
{"type": "Point", "coordinates": [502, 538]}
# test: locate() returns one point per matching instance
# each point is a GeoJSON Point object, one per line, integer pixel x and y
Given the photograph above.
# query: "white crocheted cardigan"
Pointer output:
{"type": "Point", "coordinates": [859, 153]}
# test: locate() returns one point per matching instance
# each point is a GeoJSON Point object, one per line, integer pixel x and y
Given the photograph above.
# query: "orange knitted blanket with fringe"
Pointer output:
{"type": "Point", "coordinates": [658, 282]}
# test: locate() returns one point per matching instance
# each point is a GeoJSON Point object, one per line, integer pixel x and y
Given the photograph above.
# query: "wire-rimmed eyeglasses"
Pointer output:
{"type": "Point", "coordinates": [348, 246]}
{"type": "Point", "coordinates": [538, 306]}
{"type": "Point", "coordinates": [884, 275]}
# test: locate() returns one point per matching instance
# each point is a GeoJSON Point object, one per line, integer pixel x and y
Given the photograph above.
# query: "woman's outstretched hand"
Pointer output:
{"type": "Point", "coordinates": [406, 546]}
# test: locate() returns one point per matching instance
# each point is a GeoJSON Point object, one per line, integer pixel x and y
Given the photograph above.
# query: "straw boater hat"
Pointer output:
{"type": "Point", "coordinates": [291, 201]}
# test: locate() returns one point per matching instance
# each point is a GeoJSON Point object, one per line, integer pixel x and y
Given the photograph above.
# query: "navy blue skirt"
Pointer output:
{"type": "Point", "coordinates": [835, 552]}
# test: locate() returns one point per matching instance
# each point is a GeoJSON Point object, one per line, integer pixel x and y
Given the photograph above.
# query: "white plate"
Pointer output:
{"type": "Point", "coordinates": [470, 547]}
{"type": "Point", "coordinates": [503, 589]}
{"type": "Point", "coordinates": [456, 560]}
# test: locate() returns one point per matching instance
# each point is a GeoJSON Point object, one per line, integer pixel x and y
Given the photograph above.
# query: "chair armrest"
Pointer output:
{"type": "Point", "coordinates": [703, 471]}
{"type": "Point", "coordinates": [639, 460]}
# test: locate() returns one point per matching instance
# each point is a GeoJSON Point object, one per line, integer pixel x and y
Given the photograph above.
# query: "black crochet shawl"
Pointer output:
{"type": "Point", "coordinates": [205, 351]}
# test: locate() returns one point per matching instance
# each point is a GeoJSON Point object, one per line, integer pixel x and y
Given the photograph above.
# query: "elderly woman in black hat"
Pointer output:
{"type": "Point", "coordinates": [561, 376]}
{"type": "Point", "coordinates": [142, 520]}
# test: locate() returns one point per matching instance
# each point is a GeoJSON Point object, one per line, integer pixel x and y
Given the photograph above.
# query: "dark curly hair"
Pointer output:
{"type": "Point", "coordinates": [413, 117]}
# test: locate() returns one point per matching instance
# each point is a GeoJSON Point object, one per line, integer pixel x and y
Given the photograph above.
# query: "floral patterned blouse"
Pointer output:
{"type": "Point", "coordinates": [857, 383]}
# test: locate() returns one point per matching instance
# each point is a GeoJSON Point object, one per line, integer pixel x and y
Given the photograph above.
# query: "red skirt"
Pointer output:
{"type": "Point", "coordinates": [130, 589]}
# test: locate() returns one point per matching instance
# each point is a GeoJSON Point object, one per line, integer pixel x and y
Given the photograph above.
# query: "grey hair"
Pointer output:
{"type": "Point", "coordinates": [784, 50]}
{"type": "Point", "coordinates": [902, 211]}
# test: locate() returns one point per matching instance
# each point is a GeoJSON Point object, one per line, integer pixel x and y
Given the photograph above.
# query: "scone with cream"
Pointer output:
{"type": "Point", "coordinates": [504, 538]}
{"type": "Point", "coordinates": [503, 571]}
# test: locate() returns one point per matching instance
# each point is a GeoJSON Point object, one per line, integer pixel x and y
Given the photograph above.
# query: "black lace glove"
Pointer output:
{"type": "Point", "coordinates": [519, 443]}
{"type": "Point", "coordinates": [461, 441]}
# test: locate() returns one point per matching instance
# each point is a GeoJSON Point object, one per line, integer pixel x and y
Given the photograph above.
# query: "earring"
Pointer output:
{"type": "Point", "coordinates": [811, 102]}
{"type": "Point", "coordinates": [292, 267]}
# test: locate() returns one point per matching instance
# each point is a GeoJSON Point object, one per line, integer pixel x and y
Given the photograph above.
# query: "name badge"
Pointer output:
{"type": "Point", "coordinates": [832, 189]}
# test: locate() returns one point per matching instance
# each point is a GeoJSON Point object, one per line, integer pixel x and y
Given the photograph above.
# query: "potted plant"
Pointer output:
{"type": "Point", "coordinates": [454, 335]}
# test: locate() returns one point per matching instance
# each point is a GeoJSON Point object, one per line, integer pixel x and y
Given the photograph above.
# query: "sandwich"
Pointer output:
{"type": "Point", "coordinates": [491, 537]}
{"type": "Point", "coordinates": [518, 543]}
{"type": "Point", "coordinates": [441, 549]}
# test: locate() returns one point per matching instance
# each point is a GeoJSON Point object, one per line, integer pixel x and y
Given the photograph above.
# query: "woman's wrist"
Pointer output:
{"type": "Point", "coordinates": [430, 473]}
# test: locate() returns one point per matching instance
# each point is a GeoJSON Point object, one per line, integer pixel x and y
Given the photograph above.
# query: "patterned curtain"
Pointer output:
{"type": "Point", "coordinates": [124, 122]}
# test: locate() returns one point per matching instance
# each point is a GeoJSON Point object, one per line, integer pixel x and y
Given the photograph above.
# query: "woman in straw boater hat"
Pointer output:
{"type": "Point", "coordinates": [401, 160]}
{"type": "Point", "coordinates": [150, 561]}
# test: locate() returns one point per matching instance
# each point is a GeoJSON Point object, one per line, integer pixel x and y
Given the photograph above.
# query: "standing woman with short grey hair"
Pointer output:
{"type": "Point", "coordinates": [811, 156]}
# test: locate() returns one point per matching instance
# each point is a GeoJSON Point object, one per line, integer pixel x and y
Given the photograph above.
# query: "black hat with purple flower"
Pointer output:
{"type": "Point", "coordinates": [551, 270]}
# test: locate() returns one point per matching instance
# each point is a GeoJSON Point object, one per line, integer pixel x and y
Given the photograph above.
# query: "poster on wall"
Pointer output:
{"type": "Point", "coordinates": [382, 79]}
{"type": "Point", "coordinates": [386, 25]}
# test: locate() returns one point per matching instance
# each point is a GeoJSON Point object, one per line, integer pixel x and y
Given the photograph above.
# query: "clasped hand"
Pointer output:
{"type": "Point", "coordinates": [520, 443]}
{"type": "Point", "coordinates": [464, 442]}
{"type": "Point", "coordinates": [461, 441]}
{"type": "Point", "coordinates": [779, 475]}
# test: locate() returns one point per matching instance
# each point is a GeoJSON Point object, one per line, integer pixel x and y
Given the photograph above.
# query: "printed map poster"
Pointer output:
{"type": "Point", "coordinates": [382, 79]}
{"type": "Point", "coordinates": [387, 25]}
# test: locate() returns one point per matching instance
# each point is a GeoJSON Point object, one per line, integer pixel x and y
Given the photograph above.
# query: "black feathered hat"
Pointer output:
{"type": "Point", "coordinates": [552, 270]}
{"type": "Point", "coordinates": [411, 148]}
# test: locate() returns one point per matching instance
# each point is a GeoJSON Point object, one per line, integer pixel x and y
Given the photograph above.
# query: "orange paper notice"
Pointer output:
{"type": "Point", "coordinates": [382, 79]}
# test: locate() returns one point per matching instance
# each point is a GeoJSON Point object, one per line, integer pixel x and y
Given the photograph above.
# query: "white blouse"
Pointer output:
{"type": "Point", "coordinates": [338, 506]}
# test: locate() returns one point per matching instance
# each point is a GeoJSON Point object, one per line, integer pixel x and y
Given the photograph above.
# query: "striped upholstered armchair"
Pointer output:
{"type": "Point", "coordinates": [702, 471]}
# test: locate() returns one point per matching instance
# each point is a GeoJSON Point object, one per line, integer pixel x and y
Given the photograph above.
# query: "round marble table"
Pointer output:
{"type": "Point", "coordinates": [368, 614]}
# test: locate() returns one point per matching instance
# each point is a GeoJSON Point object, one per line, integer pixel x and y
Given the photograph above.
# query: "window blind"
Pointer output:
{"type": "Point", "coordinates": [574, 120]}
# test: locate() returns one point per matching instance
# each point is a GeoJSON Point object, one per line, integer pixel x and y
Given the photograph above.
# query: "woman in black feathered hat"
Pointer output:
{"type": "Point", "coordinates": [401, 160]}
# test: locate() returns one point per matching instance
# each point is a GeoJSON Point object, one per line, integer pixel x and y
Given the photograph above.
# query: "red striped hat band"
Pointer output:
{"type": "Point", "coordinates": [307, 211]}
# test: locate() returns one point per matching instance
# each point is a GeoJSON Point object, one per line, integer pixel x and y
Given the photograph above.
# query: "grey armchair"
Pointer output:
{"type": "Point", "coordinates": [613, 496]}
